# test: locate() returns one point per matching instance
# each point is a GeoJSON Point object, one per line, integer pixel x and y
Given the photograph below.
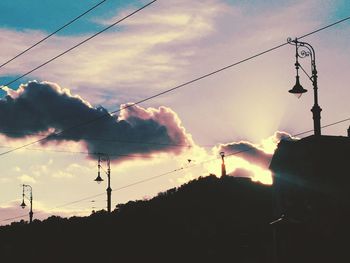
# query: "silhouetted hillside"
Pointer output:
{"type": "Point", "coordinates": [205, 220]}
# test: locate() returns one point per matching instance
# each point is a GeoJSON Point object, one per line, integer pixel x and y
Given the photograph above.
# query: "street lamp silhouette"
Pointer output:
{"type": "Point", "coordinates": [30, 198]}
{"type": "Point", "coordinates": [99, 178]}
{"type": "Point", "coordinates": [302, 50]}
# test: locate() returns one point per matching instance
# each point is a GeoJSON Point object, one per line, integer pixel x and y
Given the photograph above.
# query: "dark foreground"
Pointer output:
{"type": "Point", "coordinates": [207, 220]}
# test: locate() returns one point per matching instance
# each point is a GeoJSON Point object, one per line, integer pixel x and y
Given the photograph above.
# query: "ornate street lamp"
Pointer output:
{"type": "Point", "coordinates": [302, 50]}
{"type": "Point", "coordinates": [30, 198]}
{"type": "Point", "coordinates": [99, 179]}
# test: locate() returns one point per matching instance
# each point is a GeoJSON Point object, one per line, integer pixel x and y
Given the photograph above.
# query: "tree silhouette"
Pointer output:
{"type": "Point", "coordinates": [205, 220]}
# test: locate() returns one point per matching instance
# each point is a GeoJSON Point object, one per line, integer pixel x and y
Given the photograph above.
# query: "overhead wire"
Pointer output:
{"type": "Point", "coordinates": [53, 33]}
{"type": "Point", "coordinates": [171, 89]}
{"type": "Point", "coordinates": [92, 153]}
{"type": "Point", "coordinates": [108, 140]}
{"type": "Point", "coordinates": [15, 217]}
{"type": "Point", "coordinates": [324, 126]}
{"type": "Point", "coordinates": [105, 29]}
{"type": "Point", "coordinates": [94, 196]}
{"type": "Point", "coordinates": [209, 74]}
{"type": "Point", "coordinates": [292, 136]}
{"type": "Point", "coordinates": [144, 156]}
{"type": "Point", "coordinates": [164, 174]}
{"type": "Point", "coordinates": [325, 27]}
{"type": "Point", "coordinates": [79, 44]}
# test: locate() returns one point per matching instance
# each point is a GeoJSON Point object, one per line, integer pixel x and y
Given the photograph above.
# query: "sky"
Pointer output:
{"type": "Point", "coordinates": [175, 137]}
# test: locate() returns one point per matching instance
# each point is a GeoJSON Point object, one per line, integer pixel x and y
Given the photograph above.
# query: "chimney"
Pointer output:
{"type": "Point", "coordinates": [349, 132]}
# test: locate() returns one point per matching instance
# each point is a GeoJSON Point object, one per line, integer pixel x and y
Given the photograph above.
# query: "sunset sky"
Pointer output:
{"type": "Point", "coordinates": [167, 44]}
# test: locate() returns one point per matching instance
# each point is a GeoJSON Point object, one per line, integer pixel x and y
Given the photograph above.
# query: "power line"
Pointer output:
{"type": "Point", "coordinates": [325, 126]}
{"type": "Point", "coordinates": [325, 27]}
{"type": "Point", "coordinates": [77, 201]}
{"type": "Point", "coordinates": [90, 153]}
{"type": "Point", "coordinates": [164, 174]}
{"type": "Point", "coordinates": [53, 33]}
{"type": "Point", "coordinates": [126, 142]}
{"type": "Point", "coordinates": [174, 88]}
{"type": "Point", "coordinates": [79, 44]}
{"type": "Point", "coordinates": [97, 195]}
{"type": "Point", "coordinates": [143, 156]}
{"type": "Point", "coordinates": [12, 218]}
{"type": "Point", "coordinates": [108, 140]}
{"type": "Point", "coordinates": [120, 188]}
{"type": "Point", "coordinates": [204, 76]}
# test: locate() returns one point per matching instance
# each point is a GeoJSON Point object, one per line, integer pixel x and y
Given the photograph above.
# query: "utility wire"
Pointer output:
{"type": "Point", "coordinates": [207, 75]}
{"type": "Point", "coordinates": [89, 153]}
{"type": "Point", "coordinates": [79, 44]}
{"type": "Point", "coordinates": [108, 140]}
{"type": "Point", "coordinates": [97, 195]}
{"type": "Point", "coordinates": [164, 174]}
{"type": "Point", "coordinates": [325, 126]}
{"type": "Point", "coordinates": [171, 89]}
{"type": "Point", "coordinates": [325, 27]}
{"type": "Point", "coordinates": [294, 135]}
{"type": "Point", "coordinates": [53, 33]}
{"type": "Point", "coordinates": [12, 218]}
{"type": "Point", "coordinates": [143, 156]}
{"type": "Point", "coordinates": [120, 188]}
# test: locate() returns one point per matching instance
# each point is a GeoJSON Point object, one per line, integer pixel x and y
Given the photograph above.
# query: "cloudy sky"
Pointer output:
{"type": "Point", "coordinates": [166, 44]}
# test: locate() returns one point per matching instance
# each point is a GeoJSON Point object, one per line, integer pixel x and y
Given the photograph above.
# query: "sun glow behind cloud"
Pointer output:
{"type": "Point", "coordinates": [232, 163]}
{"type": "Point", "coordinates": [253, 159]}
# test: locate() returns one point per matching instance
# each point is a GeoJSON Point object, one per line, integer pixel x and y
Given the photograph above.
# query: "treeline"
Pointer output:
{"type": "Point", "coordinates": [205, 220]}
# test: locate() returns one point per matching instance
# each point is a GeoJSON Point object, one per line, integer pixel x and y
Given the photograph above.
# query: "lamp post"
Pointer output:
{"type": "Point", "coordinates": [30, 198]}
{"type": "Point", "coordinates": [302, 50]}
{"type": "Point", "coordinates": [99, 178]}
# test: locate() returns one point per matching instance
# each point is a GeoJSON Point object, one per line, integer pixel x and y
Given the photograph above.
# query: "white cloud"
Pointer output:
{"type": "Point", "coordinates": [128, 59]}
{"type": "Point", "coordinates": [62, 175]}
{"type": "Point", "coordinates": [25, 178]}
{"type": "Point", "coordinates": [175, 41]}
{"type": "Point", "coordinates": [17, 169]}
{"type": "Point", "coordinates": [4, 180]}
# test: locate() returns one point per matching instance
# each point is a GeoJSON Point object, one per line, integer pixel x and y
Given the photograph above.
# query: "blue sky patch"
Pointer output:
{"type": "Point", "coordinates": [14, 86]}
{"type": "Point", "coordinates": [52, 14]}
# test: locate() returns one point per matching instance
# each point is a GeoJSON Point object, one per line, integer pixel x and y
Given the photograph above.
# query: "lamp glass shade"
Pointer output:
{"type": "Point", "coordinates": [98, 178]}
{"type": "Point", "coordinates": [23, 205]}
{"type": "Point", "coordinates": [297, 90]}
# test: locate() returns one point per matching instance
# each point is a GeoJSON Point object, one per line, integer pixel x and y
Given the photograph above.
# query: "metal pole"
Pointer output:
{"type": "Point", "coordinates": [303, 50]}
{"type": "Point", "coordinates": [30, 200]}
{"type": "Point", "coordinates": [109, 189]}
{"type": "Point", "coordinates": [316, 109]}
{"type": "Point", "coordinates": [31, 208]}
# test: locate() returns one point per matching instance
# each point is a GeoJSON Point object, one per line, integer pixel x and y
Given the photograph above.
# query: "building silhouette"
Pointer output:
{"type": "Point", "coordinates": [312, 199]}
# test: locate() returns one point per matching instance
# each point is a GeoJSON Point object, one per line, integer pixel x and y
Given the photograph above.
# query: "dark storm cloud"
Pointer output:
{"type": "Point", "coordinates": [42, 107]}
{"type": "Point", "coordinates": [252, 153]}
{"type": "Point", "coordinates": [280, 135]}
{"type": "Point", "coordinates": [248, 152]}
